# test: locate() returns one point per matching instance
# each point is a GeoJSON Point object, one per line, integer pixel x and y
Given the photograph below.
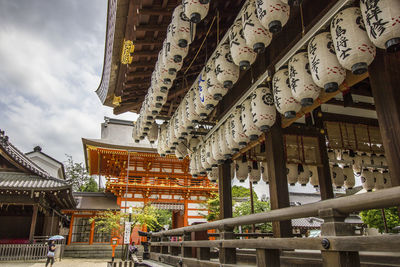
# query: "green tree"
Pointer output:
{"type": "Point", "coordinates": [244, 208]}
{"type": "Point", "coordinates": [90, 186]}
{"type": "Point", "coordinates": [112, 222]}
{"type": "Point", "coordinates": [77, 175]}
{"type": "Point", "coordinates": [164, 217]}
{"type": "Point", "coordinates": [240, 191]}
{"type": "Point", "coordinates": [373, 218]}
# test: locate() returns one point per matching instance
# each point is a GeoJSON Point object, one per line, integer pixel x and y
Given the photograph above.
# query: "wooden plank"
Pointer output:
{"type": "Point", "coordinates": [340, 259]}
{"type": "Point", "coordinates": [385, 84]}
{"type": "Point", "coordinates": [268, 258]}
{"type": "Point", "coordinates": [155, 11]}
{"type": "Point", "coordinates": [152, 27]}
{"type": "Point", "coordinates": [278, 185]}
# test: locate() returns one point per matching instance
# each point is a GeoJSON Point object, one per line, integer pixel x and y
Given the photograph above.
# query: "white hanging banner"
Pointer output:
{"type": "Point", "coordinates": [127, 232]}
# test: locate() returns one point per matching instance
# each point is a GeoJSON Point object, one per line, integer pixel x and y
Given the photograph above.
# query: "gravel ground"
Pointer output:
{"type": "Point", "coordinates": [63, 263]}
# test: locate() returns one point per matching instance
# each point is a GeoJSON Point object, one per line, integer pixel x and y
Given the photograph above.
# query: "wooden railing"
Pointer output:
{"type": "Point", "coordinates": [337, 246]}
{"type": "Point", "coordinates": [12, 252]}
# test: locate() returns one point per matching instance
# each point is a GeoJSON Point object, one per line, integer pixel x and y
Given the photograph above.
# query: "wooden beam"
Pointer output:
{"type": "Point", "coordinates": [385, 84]}
{"type": "Point", "coordinates": [225, 190]}
{"type": "Point", "coordinates": [155, 11]}
{"type": "Point", "coordinates": [141, 64]}
{"type": "Point", "coordinates": [361, 105]}
{"type": "Point", "coordinates": [152, 27]}
{"type": "Point", "coordinates": [155, 42]}
{"type": "Point", "coordinates": [146, 53]}
{"type": "Point", "coordinates": [278, 185]}
{"type": "Point", "coordinates": [33, 222]}
{"type": "Point", "coordinates": [125, 108]}
{"type": "Point", "coordinates": [139, 74]}
{"type": "Point", "coordinates": [130, 34]}
{"type": "Point", "coordinates": [349, 119]}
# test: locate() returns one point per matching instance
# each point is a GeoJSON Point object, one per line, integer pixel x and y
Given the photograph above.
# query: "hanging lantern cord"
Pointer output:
{"type": "Point", "coordinates": [201, 46]}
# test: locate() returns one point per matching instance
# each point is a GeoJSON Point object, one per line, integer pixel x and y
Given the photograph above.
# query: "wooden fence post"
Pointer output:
{"type": "Point", "coordinates": [334, 225]}
{"type": "Point", "coordinates": [227, 255]}
{"type": "Point", "coordinates": [164, 249]}
{"type": "Point", "coordinates": [187, 251]}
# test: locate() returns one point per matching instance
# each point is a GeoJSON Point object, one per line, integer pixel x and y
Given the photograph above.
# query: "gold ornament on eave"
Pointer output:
{"type": "Point", "coordinates": [127, 51]}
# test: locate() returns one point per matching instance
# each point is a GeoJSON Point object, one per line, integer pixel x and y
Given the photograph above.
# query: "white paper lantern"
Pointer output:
{"type": "Point", "coordinates": [215, 88]}
{"type": "Point", "coordinates": [379, 180]}
{"type": "Point", "coordinates": [173, 49]}
{"type": "Point", "coordinates": [203, 158]}
{"type": "Point", "coordinates": [382, 160]}
{"type": "Point", "coordinates": [193, 166]}
{"type": "Point", "coordinates": [201, 171]}
{"type": "Point", "coordinates": [182, 31]}
{"type": "Point", "coordinates": [348, 175]}
{"type": "Point", "coordinates": [304, 176]}
{"type": "Point", "coordinates": [163, 72]}
{"type": "Point", "coordinates": [196, 10]}
{"type": "Point", "coordinates": [192, 116]}
{"type": "Point", "coordinates": [314, 180]}
{"type": "Point", "coordinates": [206, 99]}
{"type": "Point", "coordinates": [242, 55]}
{"type": "Point", "coordinates": [153, 133]}
{"type": "Point", "coordinates": [192, 144]}
{"type": "Point", "coordinates": [367, 180]}
{"type": "Point", "coordinates": [213, 175]}
{"type": "Point", "coordinates": [249, 128]}
{"type": "Point", "coordinates": [217, 155]}
{"type": "Point", "coordinates": [273, 14]}
{"type": "Point", "coordinates": [233, 146]}
{"type": "Point", "coordinates": [283, 98]}
{"type": "Point", "coordinates": [265, 172]}
{"type": "Point", "coordinates": [337, 176]}
{"type": "Point", "coordinates": [180, 151]}
{"type": "Point", "coordinates": [382, 22]}
{"type": "Point", "coordinates": [209, 155]}
{"type": "Point", "coordinates": [242, 169]}
{"type": "Point", "coordinates": [326, 71]}
{"type": "Point", "coordinates": [237, 129]}
{"type": "Point", "coordinates": [254, 172]}
{"type": "Point", "coordinates": [135, 135]}
{"type": "Point", "coordinates": [183, 121]}
{"type": "Point", "coordinates": [199, 108]}
{"type": "Point", "coordinates": [257, 37]}
{"type": "Point", "coordinates": [292, 173]}
{"type": "Point", "coordinates": [365, 159]}
{"type": "Point", "coordinates": [353, 48]}
{"type": "Point", "coordinates": [169, 61]}
{"type": "Point", "coordinates": [387, 182]}
{"type": "Point", "coordinates": [263, 108]}
{"type": "Point", "coordinates": [224, 147]}
{"type": "Point", "coordinates": [225, 69]}
{"type": "Point", "coordinates": [375, 159]}
{"type": "Point", "coordinates": [304, 90]}
{"type": "Point", "coordinates": [162, 142]}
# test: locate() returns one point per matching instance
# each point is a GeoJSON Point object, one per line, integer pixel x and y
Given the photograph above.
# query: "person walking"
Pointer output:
{"type": "Point", "coordinates": [50, 253]}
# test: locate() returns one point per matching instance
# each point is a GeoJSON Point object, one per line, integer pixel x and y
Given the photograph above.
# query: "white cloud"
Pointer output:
{"type": "Point", "coordinates": [51, 65]}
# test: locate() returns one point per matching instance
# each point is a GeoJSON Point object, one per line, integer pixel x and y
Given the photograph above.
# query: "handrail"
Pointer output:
{"type": "Point", "coordinates": [379, 199]}
{"type": "Point", "coordinates": [385, 243]}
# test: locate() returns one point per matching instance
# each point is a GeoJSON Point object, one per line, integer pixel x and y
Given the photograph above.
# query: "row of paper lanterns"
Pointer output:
{"type": "Point", "coordinates": [222, 70]}
{"type": "Point", "coordinates": [293, 86]}
{"type": "Point", "coordinates": [201, 98]}
{"type": "Point", "coordinates": [180, 34]}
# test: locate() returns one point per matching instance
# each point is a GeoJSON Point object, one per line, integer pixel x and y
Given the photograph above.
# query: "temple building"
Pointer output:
{"type": "Point", "coordinates": [136, 175]}
{"type": "Point", "coordinates": [33, 191]}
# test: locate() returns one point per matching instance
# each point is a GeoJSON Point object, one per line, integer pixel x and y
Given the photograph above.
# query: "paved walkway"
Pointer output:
{"type": "Point", "coordinates": [63, 263]}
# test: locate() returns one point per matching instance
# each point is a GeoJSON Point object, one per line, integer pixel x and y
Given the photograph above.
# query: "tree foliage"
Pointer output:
{"type": "Point", "coordinates": [113, 221]}
{"type": "Point", "coordinates": [77, 175]}
{"type": "Point", "coordinates": [164, 217]}
{"type": "Point", "coordinates": [373, 218]}
{"type": "Point", "coordinates": [239, 208]}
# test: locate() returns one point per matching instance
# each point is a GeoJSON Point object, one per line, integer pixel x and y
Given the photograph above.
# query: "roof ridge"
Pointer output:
{"type": "Point", "coordinates": [22, 159]}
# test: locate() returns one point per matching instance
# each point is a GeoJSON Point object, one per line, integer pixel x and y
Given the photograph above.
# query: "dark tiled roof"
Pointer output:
{"type": "Point", "coordinates": [19, 180]}
{"type": "Point", "coordinates": [96, 201]}
{"type": "Point", "coordinates": [20, 157]}
{"type": "Point", "coordinates": [310, 223]}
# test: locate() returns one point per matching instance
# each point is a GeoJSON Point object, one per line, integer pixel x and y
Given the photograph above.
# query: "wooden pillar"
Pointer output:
{"type": "Point", "coordinates": [185, 217]}
{"type": "Point", "coordinates": [226, 255]}
{"type": "Point", "coordinates": [268, 257]}
{"type": "Point", "coordinates": [334, 225]}
{"type": "Point", "coordinates": [91, 233]}
{"type": "Point", "coordinates": [384, 75]}
{"type": "Point", "coordinates": [278, 186]}
{"type": "Point", "coordinates": [33, 222]}
{"type": "Point", "coordinates": [225, 190]}
{"type": "Point", "coordinates": [71, 227]}
{"type": "Point", "coordinates": [324, 173]}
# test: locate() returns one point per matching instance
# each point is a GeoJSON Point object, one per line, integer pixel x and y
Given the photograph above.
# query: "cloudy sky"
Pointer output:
{"type": "Point", "coordinates": [51, 55]}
